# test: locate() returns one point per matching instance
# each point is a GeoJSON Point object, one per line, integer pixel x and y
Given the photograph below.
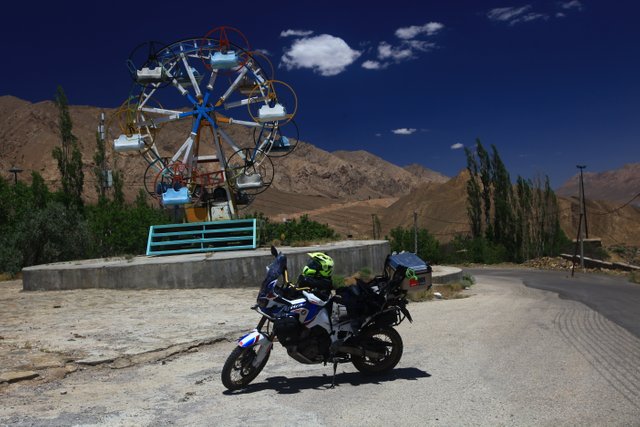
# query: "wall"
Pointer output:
{"type": "Point", "coordinates": [213, 270]}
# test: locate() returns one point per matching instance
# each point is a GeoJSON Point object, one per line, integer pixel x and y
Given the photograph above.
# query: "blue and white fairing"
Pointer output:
{"type": "Point", "coordinates": [252, 338]}
{"type": "Point", "coordinates": [310, 311]}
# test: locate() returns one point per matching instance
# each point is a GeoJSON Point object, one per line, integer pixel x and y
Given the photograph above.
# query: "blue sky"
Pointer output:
{"type": "Point", "coordinates": [551, 83]}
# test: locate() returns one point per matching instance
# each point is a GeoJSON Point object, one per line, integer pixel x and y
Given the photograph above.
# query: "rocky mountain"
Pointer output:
{"type": "Point", "coordinates": [618, 185]}
{"type": "Point", "coordinates": [425, 175]}
{"type": "Point", "coordinates": [441, 208]}
{"type": "Point", "coordinates": [28, 133]}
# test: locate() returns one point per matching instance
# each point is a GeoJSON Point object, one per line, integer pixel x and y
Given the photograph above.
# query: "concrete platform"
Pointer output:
{"type": "Point", "coordinates": [234, 269]}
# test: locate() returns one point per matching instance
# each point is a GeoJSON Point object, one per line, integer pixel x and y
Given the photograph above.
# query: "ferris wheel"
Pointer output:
{"type": "Point", "coordinates": [208, 117]}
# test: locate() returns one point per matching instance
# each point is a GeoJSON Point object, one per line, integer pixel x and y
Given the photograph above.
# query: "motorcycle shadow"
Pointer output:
{"type": "Point", "coordinates": [285, 385]}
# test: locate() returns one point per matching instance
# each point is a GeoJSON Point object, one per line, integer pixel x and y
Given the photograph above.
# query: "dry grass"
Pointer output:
{"type": "Point", "coordinates": [448, 291]}
{"type": "Point", "coordinates": [6, 276]}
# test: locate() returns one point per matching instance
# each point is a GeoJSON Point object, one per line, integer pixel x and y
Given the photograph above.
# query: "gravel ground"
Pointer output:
{"type": "Point", "coordinates": [507, 355]}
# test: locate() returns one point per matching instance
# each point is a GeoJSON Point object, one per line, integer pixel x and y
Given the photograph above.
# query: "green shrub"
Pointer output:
{"type": "Point", "coordinates": [403, 239]}
{"type": "Point", "coordinates": [36, 227]}
{"type": "Point", "coordinates": [468, 280]}
{"type": "Point", "coordinates": [118, 229]}
{"type": "Point", "coordinates": [293, 231]}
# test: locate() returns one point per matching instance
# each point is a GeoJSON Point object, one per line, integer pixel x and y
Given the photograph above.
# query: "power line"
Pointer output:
{"type": "Point", "coordinates": [619, 207]}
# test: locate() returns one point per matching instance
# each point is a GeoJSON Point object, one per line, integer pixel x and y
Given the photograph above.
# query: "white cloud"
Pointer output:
{"type": "Point", "coordinates": [378, 135]}
{"type": "Point", "coordinates": [406, 49]}
{"type": "Point", "coordinates": [396, 53]}
{"type": "Point", "coordinates": [324, 54]}
{"type": "Point", "coordinates": [507, 14]}
{"type": "Point", "coordinates": [515, 15]}
{"type": "Point", "coordinates": [295, 33]}
{"type": "Point", "coordinates": [404, 131]}
{"type": "Point", "coordinates": [407, 33]}
{"type": "Point", "coordinates": [373, 65]}
{"type": "Point", "coordinates": [560, 15]}
{"type": "Point", "coordinates": [420, 45]}
{"type": "Point", "coordinates": [573, 4]}
{"type": "Point", "coordinates": [457, 146]}
{"type": "Point", "coordinates": [532, 17]}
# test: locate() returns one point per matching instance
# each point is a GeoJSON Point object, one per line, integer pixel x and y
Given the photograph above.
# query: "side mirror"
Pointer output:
{"type": "Point", "coordinates": [274, 251]}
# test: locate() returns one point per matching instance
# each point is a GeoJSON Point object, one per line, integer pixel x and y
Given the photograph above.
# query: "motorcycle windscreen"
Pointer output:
{"type": "Point", "coordinates": [274, 270]}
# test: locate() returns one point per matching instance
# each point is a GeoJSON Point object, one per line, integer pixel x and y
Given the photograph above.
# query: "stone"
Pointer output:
{"type": "Point", "coordinates": [12, 377]}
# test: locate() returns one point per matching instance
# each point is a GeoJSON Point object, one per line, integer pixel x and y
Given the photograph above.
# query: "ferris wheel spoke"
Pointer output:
{"type": "Point", "coordinates": [170, 113]}
{"type": "Point", "coordinates": [229, 141]}
{"type": "Point", "coordinates": [244, 102]}
{"type": "Point", "coordinates": [186, 148]}
{"type": "Point", "coordinates": [194, 83]}
{"type": "Point", "coordinates": [232, 121]}
{"type": "Point", "coordinates": [233, 86]}
{"type": "Point", "coordinates": [212, 80]}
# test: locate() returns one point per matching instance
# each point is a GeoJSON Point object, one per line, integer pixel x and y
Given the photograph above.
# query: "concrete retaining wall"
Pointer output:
{"type": "Point", "coordinates": [596, 263]}
{"type": "Point", "coordinates": [212, 270]}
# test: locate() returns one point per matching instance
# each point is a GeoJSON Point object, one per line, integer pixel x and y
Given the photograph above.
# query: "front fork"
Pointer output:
{"type": "Point", "coordinates": [257, 338]}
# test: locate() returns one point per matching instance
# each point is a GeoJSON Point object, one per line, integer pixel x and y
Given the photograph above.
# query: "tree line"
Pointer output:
{"type": "Point", "coordinates": [521, 220]}
{"type": "Point", "coordinates": [507, 222]}
{"type": "Point", "coordinates": [38, 225]}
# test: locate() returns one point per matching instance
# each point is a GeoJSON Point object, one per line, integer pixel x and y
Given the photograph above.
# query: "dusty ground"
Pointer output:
{"type": "Point", "coordinates": [46, 332]}
{"type": "Point", "coordinates": [508, 355]}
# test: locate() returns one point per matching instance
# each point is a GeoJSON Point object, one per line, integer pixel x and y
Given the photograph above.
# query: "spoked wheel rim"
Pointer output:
{"type": "Point", "coordinates": [384, 340]}
{"type": "Point", "coordinates": [240, 369]}
{"type": "Point", "coordinates": [243, 366]}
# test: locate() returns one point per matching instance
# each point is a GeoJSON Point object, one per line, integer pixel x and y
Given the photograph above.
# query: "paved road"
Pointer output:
{"type": "Point", "coordinates": [507, 355]}
{"type": "Point", "coordinates": [614, 297]}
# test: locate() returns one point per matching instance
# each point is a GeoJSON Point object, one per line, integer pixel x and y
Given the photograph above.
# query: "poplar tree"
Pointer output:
{"type": "Point", "coordinates": [503, 221]}
{"type": "Point", "coordinates": [474, 208]}
{"type": "Point", "coordinates": [486, 175]}
{"type": "Point", "coordinates": [523, 221]}
{"type": "Point", "coordinates": [100, 160]}
{"type": "Point", "coordinates": [68, 155]}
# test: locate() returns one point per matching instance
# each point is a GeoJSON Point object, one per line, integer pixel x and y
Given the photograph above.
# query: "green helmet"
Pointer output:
{"type": "Point", "coordinates": [320, 265]}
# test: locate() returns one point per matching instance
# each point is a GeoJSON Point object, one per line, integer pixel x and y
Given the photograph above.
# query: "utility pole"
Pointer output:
{"type": "Point", "coordinates": [373, 223]}
{"type": "Point", "coordinates": [376, 226]}
{"type": "Point", "coordinates": [583, 217]}
{"type": "Point", "coordinates": [15, 171]}
{"type": "Point", "coordinates": [415, 232]}
{"type": "Point", "coordinates": [584, 203]}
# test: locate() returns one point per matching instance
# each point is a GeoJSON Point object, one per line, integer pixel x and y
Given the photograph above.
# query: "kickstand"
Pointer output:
{"type": "Point", "coordinates": [333, 380]}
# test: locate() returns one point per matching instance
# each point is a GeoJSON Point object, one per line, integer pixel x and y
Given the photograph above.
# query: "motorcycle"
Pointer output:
{"type": "Point", "coordinates": [355, 325]}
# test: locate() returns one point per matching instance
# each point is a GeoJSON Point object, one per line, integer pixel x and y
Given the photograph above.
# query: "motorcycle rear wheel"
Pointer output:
{"type": "Point", "coordinates": [382, 338]}
{"type": "Point", "coordinates": [238, 370]}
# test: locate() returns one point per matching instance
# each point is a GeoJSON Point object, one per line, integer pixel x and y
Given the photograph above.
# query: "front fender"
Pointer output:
{"type": "Point", "coordinates": [252, 338]}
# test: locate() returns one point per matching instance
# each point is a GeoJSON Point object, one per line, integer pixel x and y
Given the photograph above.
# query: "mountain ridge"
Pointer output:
{"type": "Point", "coordinates": [29, 131]}
{"type": "Point", "coordinates": [346, 189]}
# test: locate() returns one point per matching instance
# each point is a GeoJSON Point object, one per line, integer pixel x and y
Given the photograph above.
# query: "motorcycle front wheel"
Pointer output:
{"type": "Point", "coordinates": [384, 340]}
{"type": "Point", "coordinates": [238, 371]}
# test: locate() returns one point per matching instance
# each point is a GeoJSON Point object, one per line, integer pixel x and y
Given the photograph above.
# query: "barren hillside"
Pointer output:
{"type": "Point", "coordinates": [441, 208]}
{"type": "Point", "coordinates": [424, 174]}
{"type": "Point", "coordinates": [618, 185]}
{"type": "Point", "coordinates": [28, 133]}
